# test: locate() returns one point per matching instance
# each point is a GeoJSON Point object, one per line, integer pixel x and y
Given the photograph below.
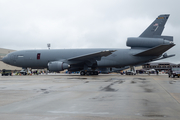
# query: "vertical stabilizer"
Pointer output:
{"type": "Point", "coordinates": [157, 27]}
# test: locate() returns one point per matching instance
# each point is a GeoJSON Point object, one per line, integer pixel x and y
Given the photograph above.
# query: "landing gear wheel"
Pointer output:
{"type": "Point", "coordinates": [82, 73]}
{"type": "Point", "coordinates": [92, 72]}
{"type": "Point", "coordinates": [96, 73]}
{"type": "Point", "coordinates": [88, 73]}
{"type": "Point", "coordinates": [171, 76]}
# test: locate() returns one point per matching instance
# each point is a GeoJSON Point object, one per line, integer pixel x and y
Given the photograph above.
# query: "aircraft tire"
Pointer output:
{"type": "Point", "coordinates": [92, 73]}
{"type": "Point", "coordinates": [88, 73]}
{"type": "Point", "coordinates": [95, 72]}
{"type": "Point", "coordinates": [82, 73]}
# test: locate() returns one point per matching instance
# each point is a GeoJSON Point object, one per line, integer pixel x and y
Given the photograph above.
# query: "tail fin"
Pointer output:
{"type": "Point", "coordinates": [156, 28]}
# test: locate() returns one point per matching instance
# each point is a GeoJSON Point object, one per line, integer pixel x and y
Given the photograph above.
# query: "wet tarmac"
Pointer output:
{"type": "Point", "coordinates": [103, 97]}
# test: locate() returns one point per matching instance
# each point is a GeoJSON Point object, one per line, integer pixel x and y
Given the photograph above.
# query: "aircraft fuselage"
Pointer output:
{"type": "Point", "coordinates": [41, 58]}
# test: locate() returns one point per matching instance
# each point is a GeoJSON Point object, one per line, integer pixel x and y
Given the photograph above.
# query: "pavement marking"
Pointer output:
{"type": "Point", "coordinates": [171, 94]}
{"type": "Point", "coordinates": [76, 112]}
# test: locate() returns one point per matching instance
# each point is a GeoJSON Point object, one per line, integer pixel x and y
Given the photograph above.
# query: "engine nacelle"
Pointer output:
{"type": "Point", "coordinates": [57, 66]}
{"type": "Point", "coordinates": [146, 42]}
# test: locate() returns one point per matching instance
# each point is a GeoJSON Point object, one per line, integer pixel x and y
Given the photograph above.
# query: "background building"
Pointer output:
{"type": "Point", "coordinates": [160, 66]}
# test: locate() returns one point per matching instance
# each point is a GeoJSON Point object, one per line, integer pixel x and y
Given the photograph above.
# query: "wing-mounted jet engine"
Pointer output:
{"type": "Point", "coordinates": [57, 66]}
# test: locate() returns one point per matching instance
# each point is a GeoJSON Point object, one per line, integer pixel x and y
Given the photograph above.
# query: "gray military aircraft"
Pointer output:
{"type": "Point", "coordinates": [149, 46]}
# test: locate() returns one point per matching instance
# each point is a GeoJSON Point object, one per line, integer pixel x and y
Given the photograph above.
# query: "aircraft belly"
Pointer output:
{"type": "Point", "coordinates": [117, 59]}
{"type": "Point", "coordinates": [107, 63]}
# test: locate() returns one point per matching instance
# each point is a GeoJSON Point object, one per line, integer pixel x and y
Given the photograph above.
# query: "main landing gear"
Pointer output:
{"type": "Point", "coordinates": [89, 73]}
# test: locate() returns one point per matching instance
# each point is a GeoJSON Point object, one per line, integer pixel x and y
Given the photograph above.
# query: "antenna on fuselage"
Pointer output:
{"type": "Point", "coordinates": [48, 45]}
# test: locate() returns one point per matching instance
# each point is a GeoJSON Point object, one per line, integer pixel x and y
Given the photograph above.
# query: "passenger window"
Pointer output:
{"type": "Point", "coordinates": [38, 56]}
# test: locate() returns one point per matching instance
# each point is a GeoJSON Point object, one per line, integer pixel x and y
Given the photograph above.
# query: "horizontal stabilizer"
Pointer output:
{"type": "Point", "coordinates": [164, 57]}
{"type": "Point", "coordinates": [155, 51]}
{"type": "Point", "coordinates": [96, 56]}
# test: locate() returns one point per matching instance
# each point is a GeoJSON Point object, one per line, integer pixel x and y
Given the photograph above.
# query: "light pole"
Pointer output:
{"type": "Point", "coordinates": [49, 45]}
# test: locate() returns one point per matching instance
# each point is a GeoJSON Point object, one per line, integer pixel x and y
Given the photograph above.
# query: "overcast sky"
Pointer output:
{"type": "Point", "coordinates": [31, 24]}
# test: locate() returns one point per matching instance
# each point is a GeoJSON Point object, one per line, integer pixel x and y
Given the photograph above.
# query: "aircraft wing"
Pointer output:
{"type": "Point", "coordinates": [156, 51]}
{"type": "Point", "coordinates": [96, 56]}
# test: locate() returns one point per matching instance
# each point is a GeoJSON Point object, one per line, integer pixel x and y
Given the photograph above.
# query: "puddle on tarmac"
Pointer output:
{"type": "Point", "coordinates": [140, 78]}
{"type": "Point", "coordinates": [154, 115]}
{"type": "Point", "coordinates": [113, 79]}
{"type": "Point", "coordinates": [133, 81]}
{"type": "Point", "coordinates": [148, 90]}
{"type": "Point", "coordinates": [86, 82]}
{"type": "Point", "coordinates": [76, 78]}
{"type": "Point", "coordinates": [43, 89]}
{"type": "Point", "coordinates": [108, 88]}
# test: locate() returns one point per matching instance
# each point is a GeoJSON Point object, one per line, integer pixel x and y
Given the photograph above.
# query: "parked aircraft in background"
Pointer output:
{"type": "Point", "coordinates": [149, 46]}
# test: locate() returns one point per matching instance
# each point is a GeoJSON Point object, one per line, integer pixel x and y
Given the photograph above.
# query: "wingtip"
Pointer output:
{"type": "Point", "coordinates": [164, 15]}
{"type": "Point", "coordinates": [108, 50]}
{"type": "Point", "coordinates": [113, 50]}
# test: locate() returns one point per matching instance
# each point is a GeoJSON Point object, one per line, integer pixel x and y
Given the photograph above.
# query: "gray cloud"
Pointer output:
{"type": "Point", "coordinates": [32, 24]}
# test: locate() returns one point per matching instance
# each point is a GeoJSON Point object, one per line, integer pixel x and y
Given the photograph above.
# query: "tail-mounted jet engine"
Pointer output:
{"type": "Point", "coordinates": [57, 66]}
{"type": "Point", "coordinates": [146, 42]}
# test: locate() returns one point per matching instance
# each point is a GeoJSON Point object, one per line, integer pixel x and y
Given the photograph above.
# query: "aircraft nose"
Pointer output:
{"type": "Point", "coordinates": [5, 60]}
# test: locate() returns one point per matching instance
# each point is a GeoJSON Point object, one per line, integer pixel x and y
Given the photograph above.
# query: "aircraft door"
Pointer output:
{"type": "Point", "coordinates": [38, 59]}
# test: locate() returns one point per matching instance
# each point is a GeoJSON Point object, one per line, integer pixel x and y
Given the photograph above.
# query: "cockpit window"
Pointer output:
{"type": "Point", "coordinates": [20, 56]}
{"type": "Point", "coordinates": [6, 55]}
{"type": "Point", "coordinates": [38, 56]}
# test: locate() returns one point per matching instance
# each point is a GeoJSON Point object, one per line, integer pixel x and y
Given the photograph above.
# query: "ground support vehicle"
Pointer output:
{"type": "Point", "coordinates": [6, 72]}
{"type": "Point", "coordinates": [174, 72]}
